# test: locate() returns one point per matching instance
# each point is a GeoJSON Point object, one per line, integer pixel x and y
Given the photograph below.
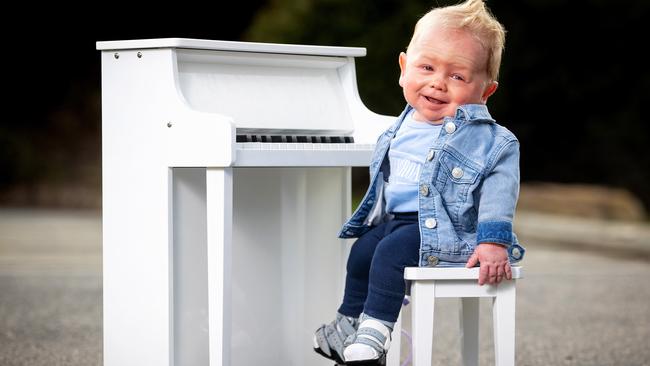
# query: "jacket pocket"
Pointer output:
{"type": "Point", "coordinates": [455, 177]}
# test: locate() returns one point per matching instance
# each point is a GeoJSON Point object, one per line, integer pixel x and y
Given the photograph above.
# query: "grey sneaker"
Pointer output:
{"type": "Point", "coordinates": [369, 344]}
{"type": "Point", "coordinates": [329, 339]}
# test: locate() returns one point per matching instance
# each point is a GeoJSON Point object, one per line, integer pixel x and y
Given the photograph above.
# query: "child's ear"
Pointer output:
{"type": "Point", "coordinates": [489, 90]}
{"type": "Point", "coordinates": [402, 67]}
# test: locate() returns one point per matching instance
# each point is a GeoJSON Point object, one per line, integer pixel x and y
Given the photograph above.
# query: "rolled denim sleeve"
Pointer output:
{"type": "Point", "coordinates": [498, 196]}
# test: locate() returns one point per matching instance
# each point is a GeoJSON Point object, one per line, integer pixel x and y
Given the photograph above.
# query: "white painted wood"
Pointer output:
{"type": "Point", "coordinates": [464, 288]}
{"type": "Point", "coordinates": [462, 283]}
{"type": "Point", "coordinates": [137, 210]}
{"type": "Point", "coordinates": [423, 294]}
{"type": "Point", "coordinates": [368, 125]}
{"type": "Point", "coordinates": [263, 92]}
{"type": "Point", "coordinates": [393, 356]}
{"type": "Point", "coordinates": [209, 94]}
{"type": "Point", "coordinates": [219, 195]}
{"type": "Point", "coordinates": [469, 327]}
{"type": "Point", "coordinates": [503, 311]}
{"type": "Point", "coordinates": [287, 276]}
{"type": "Point", "coordinates": [305, 155]}
{"type": "Point", "coordinates": [190, 267]}
{"type": "Point", "coordinates": [204, 44]}
{"type": "Point", "coordinates": [453, 273]}
{"type": "Point", "coordinates": [205, 239]}
{"type": "Point", "coordinates": [260, 59]}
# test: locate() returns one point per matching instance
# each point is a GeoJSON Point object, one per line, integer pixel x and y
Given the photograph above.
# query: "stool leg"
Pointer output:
{"type": "Point", "coordinates": [393, 356]}
{"type": "Point", "coordinates": [503, 313]}
{"type": "Point", "coordinates": [423, 297]}
{"type": "Point", "coordinates": [469, 330]}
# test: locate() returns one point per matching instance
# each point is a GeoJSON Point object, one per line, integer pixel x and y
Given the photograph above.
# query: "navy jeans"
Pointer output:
{"type": "Point", "coordinates": [374, 282]}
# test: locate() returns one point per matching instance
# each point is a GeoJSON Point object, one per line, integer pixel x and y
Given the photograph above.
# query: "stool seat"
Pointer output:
{"type": "Point", "coordinates": [429, 283]}
{"type": "Point", "coordinates": [450, 273]}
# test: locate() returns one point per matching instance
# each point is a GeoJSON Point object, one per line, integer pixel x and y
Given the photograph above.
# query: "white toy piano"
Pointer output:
{"type": "Point", "coordinates": [226, 178]}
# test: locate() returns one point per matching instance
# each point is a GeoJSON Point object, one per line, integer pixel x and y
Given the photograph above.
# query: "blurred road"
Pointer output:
{"type": "Point", "coordinates": [578, 304]}
{"type": "Point", "coordinates": [50, 288]}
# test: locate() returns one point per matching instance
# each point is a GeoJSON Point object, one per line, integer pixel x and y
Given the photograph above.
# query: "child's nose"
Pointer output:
{"type": "Point", "coordinates": [437, 82]}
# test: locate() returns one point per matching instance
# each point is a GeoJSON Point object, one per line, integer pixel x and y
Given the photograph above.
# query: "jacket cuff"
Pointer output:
{"type": "Point", "coordinates": [499, 232]}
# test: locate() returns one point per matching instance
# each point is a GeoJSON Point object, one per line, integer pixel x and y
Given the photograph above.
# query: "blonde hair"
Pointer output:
{"type": "Point", "coordinates": [472, 16]}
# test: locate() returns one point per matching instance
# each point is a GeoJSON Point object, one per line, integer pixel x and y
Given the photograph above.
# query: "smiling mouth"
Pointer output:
{"type": "Point", "coordinates": [434, 100]}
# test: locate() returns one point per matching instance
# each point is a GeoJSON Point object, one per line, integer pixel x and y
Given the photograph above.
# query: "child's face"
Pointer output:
{"type": "Point", "coordinates": [444, 68]}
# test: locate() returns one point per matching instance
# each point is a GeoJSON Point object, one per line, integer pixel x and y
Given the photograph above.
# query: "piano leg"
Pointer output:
{"type": "Point", "coordinates": [201, 268]}
{"type": "Point", "coordinates": [219, 195]}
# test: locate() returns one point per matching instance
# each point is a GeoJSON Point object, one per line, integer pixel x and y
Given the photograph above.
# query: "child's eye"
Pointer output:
{"type": "Point", "coordinates": [457, 77]}
{"type": "Point", "coordinates": [427, 67]}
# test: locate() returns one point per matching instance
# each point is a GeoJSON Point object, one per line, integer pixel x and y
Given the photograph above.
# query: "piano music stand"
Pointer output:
{"type": "Point", "coordinates": [217, 252]}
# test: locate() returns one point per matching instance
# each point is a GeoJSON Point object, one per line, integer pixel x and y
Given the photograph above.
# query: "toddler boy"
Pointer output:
{"type": "Point", "coordinates": [444, 182]}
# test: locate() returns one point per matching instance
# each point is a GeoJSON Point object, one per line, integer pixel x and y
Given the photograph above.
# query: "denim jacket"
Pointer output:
{"type": "Point", "coordinates": [469, 186]}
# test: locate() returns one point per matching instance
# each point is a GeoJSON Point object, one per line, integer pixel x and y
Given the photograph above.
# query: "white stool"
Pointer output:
{"type": "Point", "coordinates": [429, 283]}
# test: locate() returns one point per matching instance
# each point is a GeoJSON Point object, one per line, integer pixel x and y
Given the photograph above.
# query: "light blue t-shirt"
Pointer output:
{"type": "Point", "coordinates": [408, 151]}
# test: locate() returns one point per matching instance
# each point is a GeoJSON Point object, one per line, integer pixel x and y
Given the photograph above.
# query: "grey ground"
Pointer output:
{"type": "Point", "coordinates": [585, 298]}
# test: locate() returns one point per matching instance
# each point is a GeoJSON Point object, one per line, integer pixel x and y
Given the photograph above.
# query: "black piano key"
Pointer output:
{"type": "Point", "coordinates": [294, 139]}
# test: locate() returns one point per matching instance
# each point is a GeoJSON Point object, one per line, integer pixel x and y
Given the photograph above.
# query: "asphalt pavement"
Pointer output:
{"type": "Point", "coordinates": [584, 299]}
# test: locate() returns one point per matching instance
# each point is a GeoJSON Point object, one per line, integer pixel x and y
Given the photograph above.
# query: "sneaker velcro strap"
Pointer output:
{"type": "Point", "coordinates": [321, 339]}
{"type": "Point", "coordinates": [376, 338]}
{"type": "Point", "coordinates": [382, 329]}
{"type": "Point", "coordinates": [345, 326]}
{"type": "Point", "coordinates": [334, 339]}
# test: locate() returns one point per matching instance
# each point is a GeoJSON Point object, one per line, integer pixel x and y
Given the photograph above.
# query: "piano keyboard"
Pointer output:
{"type": "Point", "coordinates": [292, 151]}
{"type": "Point", "coordinates": [295, 139]}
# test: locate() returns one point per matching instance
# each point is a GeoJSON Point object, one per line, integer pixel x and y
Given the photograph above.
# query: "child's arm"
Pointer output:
{"type": "Point", "coordinates": [495, 265]}
{"type": "Point", "coordinates": [497, 200]}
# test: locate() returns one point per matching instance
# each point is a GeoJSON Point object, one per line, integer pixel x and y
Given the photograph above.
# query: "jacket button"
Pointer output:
{"type": "Point", "coordinates": [516, 253]}
{"type": "Point", "coordinates": [432, 260]}
{"type": "Point", "coordinates": [424, 190]}
{"type": "Point", "coordinates": [430, 223]}
{"type": "Point", "coordinates": [457, 172]}
{"type": "Point", "coordinates": [450, 127]}
{"type": "Point", "coordinates": [431, 155]}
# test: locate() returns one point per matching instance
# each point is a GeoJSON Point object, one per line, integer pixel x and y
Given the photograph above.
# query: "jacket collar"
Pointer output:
{"type": "Point", "coordinates": [465, 113]}
{"type": "Point", "coordinates": [473, 112]}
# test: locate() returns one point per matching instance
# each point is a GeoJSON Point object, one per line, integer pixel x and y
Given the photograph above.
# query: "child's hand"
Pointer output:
{"type": "Point", "coordinates": [494, 263]}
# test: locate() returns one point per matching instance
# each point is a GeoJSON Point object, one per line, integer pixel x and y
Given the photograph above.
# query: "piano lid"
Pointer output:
{"type": "Point", "coordinates": [268, 91]}
{"type": "Point", "coordinates": [205, 44]}
{"type": "Point", "coordinates": [262, 86]}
